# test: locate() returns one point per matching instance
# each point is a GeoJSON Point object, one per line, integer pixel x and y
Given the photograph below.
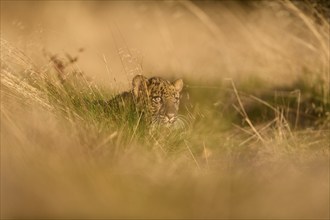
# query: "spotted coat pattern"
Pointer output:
{"type": "Point", "coordinates": [156, 97]}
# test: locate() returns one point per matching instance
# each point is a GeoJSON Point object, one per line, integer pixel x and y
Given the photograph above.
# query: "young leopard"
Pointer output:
{"type": "Point", "coordinates": [156, 98]}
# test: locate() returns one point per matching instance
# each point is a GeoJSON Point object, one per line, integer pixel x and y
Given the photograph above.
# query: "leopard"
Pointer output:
{"type": "Point", "coordinates": [155, 98]}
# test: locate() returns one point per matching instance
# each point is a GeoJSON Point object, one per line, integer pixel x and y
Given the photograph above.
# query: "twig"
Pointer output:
{"type": "Point", "coordinates": [185, 142]}
{"type": "Point", "coordinates": [246, 118]}
{"type": "Point", "coordinates": [206, 156]}
{"type": "Point", "coordinates": [137, 124]}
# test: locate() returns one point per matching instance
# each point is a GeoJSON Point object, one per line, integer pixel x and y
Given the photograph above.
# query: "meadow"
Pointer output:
{"type": "Point", "coordinates": [255, 111]}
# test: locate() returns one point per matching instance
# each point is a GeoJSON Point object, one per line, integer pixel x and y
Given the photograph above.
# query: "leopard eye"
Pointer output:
{"type": "Point", "coordinates": [156, 99]}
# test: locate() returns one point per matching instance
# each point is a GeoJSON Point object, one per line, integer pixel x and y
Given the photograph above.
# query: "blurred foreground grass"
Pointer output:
{"type": "Point", "coordinates": [247, 148]}
{"type": "Point", "coordinates": [241, 153]}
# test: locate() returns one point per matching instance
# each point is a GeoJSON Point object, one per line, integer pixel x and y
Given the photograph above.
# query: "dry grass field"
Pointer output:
{"type": "Point", "coordinates": [255, 110]}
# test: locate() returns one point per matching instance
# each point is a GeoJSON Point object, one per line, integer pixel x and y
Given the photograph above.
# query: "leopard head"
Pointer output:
{"type": "Point", "coordinates": [158, 98]}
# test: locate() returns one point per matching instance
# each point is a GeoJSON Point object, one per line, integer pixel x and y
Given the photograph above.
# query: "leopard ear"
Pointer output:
{"type": "Point", "coordinates": [138, 82]}
{"type": "Point", "coordinates": [178, 85]}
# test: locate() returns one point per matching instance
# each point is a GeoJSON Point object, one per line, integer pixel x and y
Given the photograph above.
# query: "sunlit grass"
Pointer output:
{"type": "Point", "coordinates": [244, 148]}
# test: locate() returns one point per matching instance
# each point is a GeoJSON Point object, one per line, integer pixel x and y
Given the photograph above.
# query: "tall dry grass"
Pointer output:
{"type": "Point", "coordinates": [255, 145]}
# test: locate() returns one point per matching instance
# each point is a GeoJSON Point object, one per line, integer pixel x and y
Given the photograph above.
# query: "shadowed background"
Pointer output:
{"type": "Point", "coordinates": [213, 39]}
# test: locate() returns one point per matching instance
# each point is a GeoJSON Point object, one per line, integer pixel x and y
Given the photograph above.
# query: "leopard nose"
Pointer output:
{"type": "Point", "coordinates": [170, 115]}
